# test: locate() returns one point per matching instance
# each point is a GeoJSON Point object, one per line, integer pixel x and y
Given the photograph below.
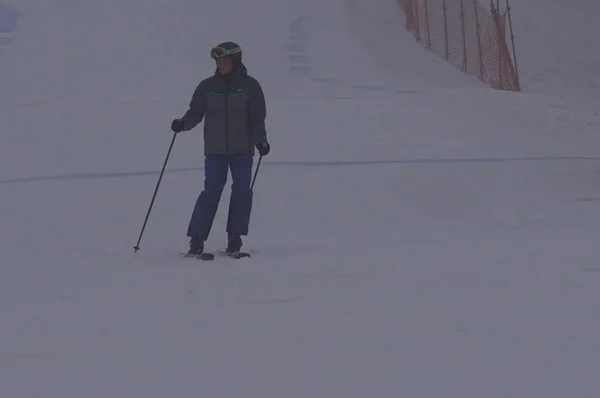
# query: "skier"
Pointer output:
{"type": "Point", "coordinates": [232, 105]}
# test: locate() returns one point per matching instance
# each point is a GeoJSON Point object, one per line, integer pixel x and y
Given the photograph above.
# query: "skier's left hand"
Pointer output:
{"type": "Point", "coordinates": [263, 148]}
{"type": "Point", "coordinates": [177, 125]}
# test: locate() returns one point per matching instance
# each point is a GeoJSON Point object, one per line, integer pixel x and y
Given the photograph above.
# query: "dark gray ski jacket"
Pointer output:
{"type": "Point", "coordinates": [234, 111]}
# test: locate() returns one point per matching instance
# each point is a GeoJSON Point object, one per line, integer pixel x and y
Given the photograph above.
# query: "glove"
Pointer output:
{"type": "Point", "coordinates": [263, 148]}
{"type": "Point", "coordinates": [177, 125]}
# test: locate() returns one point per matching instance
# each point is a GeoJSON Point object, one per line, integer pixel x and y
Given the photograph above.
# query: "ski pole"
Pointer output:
{"type": "Point", "coordinates": [137, 246]}
{"type": "Point", "coordinates": [256, 172]}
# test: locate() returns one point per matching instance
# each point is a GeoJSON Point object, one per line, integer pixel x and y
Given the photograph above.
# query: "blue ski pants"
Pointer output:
{"type": "Point", "coordinates": [240, 203]}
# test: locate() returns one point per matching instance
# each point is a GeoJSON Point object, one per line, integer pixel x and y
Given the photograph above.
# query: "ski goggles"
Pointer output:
{"type": "Point", "coordinates": [220, 52]}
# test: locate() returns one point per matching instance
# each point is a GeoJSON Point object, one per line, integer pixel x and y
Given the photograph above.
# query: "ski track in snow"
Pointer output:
{"type": "Point", "coordinates": [84, 176]}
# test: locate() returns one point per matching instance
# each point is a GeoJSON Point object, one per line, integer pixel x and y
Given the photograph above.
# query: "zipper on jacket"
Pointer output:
{"type": "Point", "coordinates": [226, 117]}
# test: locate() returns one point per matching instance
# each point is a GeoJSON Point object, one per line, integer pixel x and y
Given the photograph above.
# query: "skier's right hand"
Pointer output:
{"type": "Point", "coordinates": [177, 125]}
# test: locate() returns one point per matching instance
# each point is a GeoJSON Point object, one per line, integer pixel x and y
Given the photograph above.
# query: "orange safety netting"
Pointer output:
{"type": "Point", "coordinates": [467, 35]}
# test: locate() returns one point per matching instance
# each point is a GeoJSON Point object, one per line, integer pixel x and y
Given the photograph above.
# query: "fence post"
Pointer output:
{"type": "Point", "coordinates": [417, 20]}
{"type": "Point", "coordinates": [406, 5]}
{"type": "Point", "coordinates": [512, 37]}
{"type": "Point", "coordinates": [427, 23]}
{"type": "Point", "coordinates": [446, 49]}
{"type": "Point", "coordinates": [475, 5]}
{"type": "Point", "coordinates": [496, 20]}
{"type": "Point", "coordinates": [464, 36]}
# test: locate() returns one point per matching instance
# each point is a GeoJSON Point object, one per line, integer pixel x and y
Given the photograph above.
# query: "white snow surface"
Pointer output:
{"type": "Point", "coordinates": [414, 233]}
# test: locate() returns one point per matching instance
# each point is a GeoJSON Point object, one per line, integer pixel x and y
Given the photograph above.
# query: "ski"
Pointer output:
{"type": "Point", "coordinates": [236, 255]}
{"type": "Point", "coordinates": [210, 256]}
{"type": "Point", "coordinates": [204, 256]}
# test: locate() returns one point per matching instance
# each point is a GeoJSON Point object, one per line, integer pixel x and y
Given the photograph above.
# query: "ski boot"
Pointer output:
{"type": "Point", "coordinates": [234, 245]}
{"type": "Point", "coordinates": [197, 250]}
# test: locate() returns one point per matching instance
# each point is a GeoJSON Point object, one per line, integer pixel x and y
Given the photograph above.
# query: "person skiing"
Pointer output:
{"type": "Point", "coordinates": [232, 105]}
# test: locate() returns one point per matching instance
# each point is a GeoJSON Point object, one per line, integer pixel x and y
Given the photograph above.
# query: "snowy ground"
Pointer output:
{"type": "Point", "coordinates": [414, 234]}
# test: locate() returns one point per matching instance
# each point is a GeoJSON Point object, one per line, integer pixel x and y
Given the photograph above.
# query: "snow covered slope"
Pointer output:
{"type": "Point", "coordinates": [558, 47]}
{"type": "Point", "coordinates": [414, 234]}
